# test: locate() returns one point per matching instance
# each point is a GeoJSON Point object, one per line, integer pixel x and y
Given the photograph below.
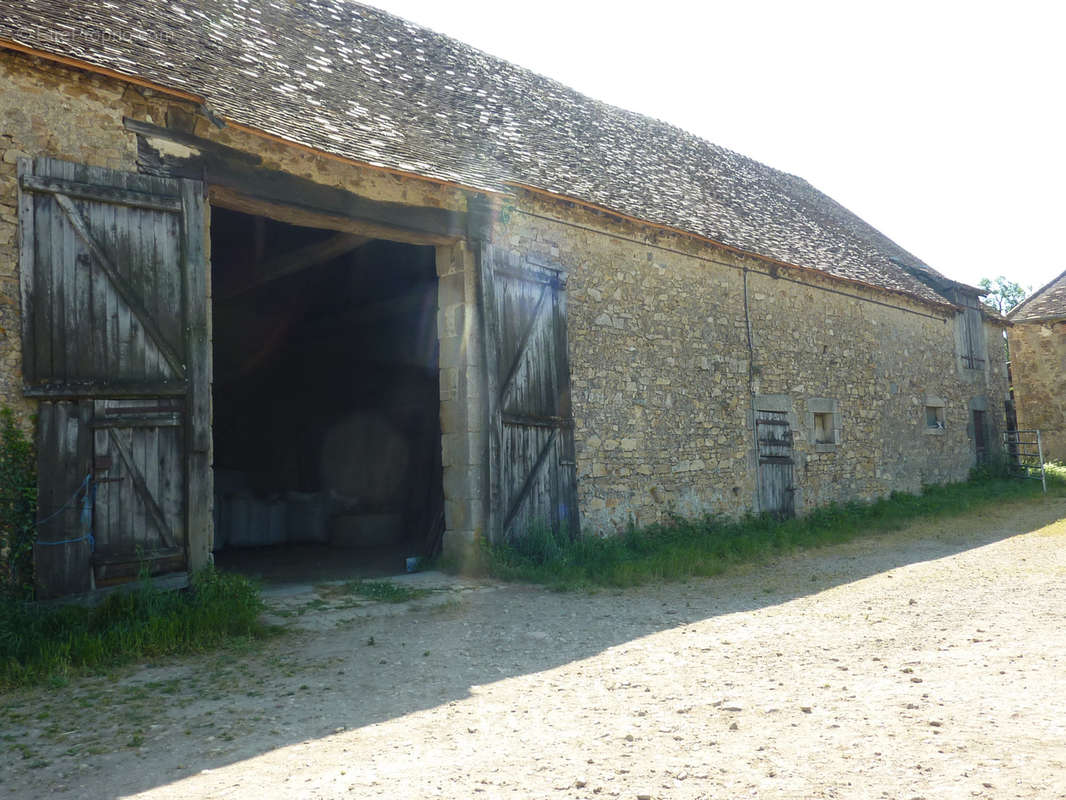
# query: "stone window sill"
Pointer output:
{"type": "Point", "coordinates": [825, 447]}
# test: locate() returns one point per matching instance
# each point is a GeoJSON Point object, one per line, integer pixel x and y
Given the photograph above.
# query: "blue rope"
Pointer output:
{"type": "Point", "coordinates": [88, 501]}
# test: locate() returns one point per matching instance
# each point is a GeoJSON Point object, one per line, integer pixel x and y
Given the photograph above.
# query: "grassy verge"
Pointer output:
{"type": "Point", "coordinates": [709, 545]}
{"type": "Point", "coordinates": [48, 643]}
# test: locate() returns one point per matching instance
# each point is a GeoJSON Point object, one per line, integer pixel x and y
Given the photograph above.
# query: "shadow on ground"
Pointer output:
{"type": "Point", "coordinates": [346, 665]}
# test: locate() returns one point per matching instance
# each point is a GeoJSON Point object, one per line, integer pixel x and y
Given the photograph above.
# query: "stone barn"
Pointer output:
{"type": "Point", "coordinates": [304, 280]}
{"type": "Point", "coordinates": [1037, 344]}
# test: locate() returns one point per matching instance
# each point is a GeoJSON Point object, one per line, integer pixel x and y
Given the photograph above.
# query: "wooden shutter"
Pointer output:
{"type": "Point", "coordinates": [532, 473]}
{"type": "Point", "coordinates": [973, 332]}
{"type": "Point", "coordinates": [115, 347]}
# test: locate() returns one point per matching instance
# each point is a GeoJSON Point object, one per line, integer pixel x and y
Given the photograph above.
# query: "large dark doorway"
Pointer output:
{"type": "Point", "coordinates": [326, 401]}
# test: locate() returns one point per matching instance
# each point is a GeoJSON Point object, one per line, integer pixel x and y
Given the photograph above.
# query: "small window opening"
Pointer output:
{"type": "Point", "coordinates": [823, 428]}
{"type": "Point", "coordinates": [934, 418]}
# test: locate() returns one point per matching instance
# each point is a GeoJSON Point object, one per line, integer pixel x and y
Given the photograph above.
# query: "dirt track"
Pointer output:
{"type": "Point", "coordinates": [929, 663]}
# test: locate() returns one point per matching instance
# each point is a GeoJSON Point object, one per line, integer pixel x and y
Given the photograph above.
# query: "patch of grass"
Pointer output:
{"type": "Point", "coordinates": [709, 545]}
{"type": "Point", "coordinates": [382, 591]}
{"type": "Point", "coordinates": [46, 644]}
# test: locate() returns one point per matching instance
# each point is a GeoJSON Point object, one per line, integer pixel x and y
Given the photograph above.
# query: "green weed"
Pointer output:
{"type": "Point", "coordinates": [47, 643]}
{"type": "Point", "coordinates": [710, 545]}
{"type": "Point", "coordinates": [382, 591]}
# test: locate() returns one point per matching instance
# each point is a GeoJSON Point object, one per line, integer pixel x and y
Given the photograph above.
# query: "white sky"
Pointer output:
{"type": "Point", "coordinates": [941, 124]}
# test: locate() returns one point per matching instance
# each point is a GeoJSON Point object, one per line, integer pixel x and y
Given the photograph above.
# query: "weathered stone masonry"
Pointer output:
{"type": "Point", "coordinates": [663, 379]}
{"type": "Point", "coordinates": [1038, 358]}
{"type": "Point", "coordinates": [660, 371]}
{"type": "Point", "coordinates": [48, 109]}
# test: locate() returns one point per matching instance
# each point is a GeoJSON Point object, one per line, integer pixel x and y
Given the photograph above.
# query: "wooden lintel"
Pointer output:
{"type": "Point", "coordinates": [376, 312]}
{"type": "Point", "coordinates": [224, 197]}
{"type": "Point", "coordinates": [223, 167]}
{"type": "Point", "coordinates": [292, 262]}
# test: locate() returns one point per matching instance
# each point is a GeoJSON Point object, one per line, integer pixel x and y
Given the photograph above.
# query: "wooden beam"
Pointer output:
{"type": "Point", "coordinates": [233, 200]}
{"type": "Point", "coordinates": [79, 389]}
{"type": "Point", "coordinates": [224, 167]}
{"type": "Point", "coordinates": [374, 313]}
{"type": "Point", "coordinates": [101, 194]}
{"type": "Point", "coordinates": [292, 262]}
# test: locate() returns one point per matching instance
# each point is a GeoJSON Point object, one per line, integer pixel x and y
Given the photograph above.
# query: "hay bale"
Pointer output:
{"type": "Point", "coordinates": [364, 457]}
{"type": "Point", "coordinates": [365, 530]}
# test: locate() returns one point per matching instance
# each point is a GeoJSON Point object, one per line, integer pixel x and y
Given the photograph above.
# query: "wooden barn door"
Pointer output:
{"type": "Point", "coordinates": [532, 473]}
{"type": "Point", "coordinates": [115, 347]}
{"type": "Point", "coordinates": [775, 463]}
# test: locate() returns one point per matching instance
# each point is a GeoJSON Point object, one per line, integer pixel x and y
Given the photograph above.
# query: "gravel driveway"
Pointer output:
{"type": "Point", "coordinates": [925, 663]}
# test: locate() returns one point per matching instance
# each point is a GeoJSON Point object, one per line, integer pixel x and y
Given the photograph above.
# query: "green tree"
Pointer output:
{"type": "Point", "coordinates": [1003, 295]}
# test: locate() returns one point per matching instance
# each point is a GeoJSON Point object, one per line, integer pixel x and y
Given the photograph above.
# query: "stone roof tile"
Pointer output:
{"type": "Point", "coordinates": [1047, 302]}
{"type": "Point", "coordinates": [363, 84]}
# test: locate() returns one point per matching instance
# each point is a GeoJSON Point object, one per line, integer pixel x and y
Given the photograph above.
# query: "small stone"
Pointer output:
{"type": "Point", "coordinates": [916, 680]}
{"type": "Point", "coordinates": [733, 727]}
{"type": "Point", "coordinates": [629, 737]}
{"type": "Point", "coordinates": [935, 723]}
{"type": "Point", "coordinates": [805, 709]}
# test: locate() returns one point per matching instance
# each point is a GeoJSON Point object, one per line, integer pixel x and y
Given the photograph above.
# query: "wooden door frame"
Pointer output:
{"type": "Point", "coordinates": [246, 200]}
{"type": "Point", "coordinates": [781, 403]}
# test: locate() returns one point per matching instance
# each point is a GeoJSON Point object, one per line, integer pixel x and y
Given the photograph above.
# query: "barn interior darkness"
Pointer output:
{"type": "Point", "coordinates": [327, 451]}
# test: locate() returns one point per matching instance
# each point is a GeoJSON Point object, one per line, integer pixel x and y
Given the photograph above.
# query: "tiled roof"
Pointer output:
{"type": "Point", "coordinates": [360, 83]}
{"type": "Point", "coordinates": [1047, 302]}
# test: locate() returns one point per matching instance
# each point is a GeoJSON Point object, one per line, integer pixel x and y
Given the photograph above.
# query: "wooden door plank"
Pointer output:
{"type": "Point", "coordinates": [27, 272]}
{"type": "Point", "coordinates": [125, 291]}
{"type": "Point", "coordinates": [521, 495]}
{"type": "Point", "coordinates": [57, 266]}
{"type": "Point", "coordinates": [125, 451]}
{"type": "Point", "coordinates": [522, 347]}
{"type": "Point", "coordinates": [42, 307]}
{"type": "Point", "coordinates": [198, 476]}
{"type": "Point", "coordinates": [490, 334]}
{"type": "Point", "coordinates": [102, 194]}
{"type": "Point", "coordinates": [63, 455]}
{"type": "Point", "coordinates": [567, 462]}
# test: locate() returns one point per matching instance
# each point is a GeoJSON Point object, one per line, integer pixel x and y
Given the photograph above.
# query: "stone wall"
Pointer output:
{"type": "Point", "coordinates": [1038, 365]}
{"type": "Point", "coordinates": [49, 109]}
{"type": "Point", "coordinates": [673, 341]}
{"type": "Point", "coordinates": [664, 380]}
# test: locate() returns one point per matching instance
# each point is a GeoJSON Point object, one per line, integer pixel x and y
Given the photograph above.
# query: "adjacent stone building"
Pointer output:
{"type": "Point", "coordinates": [1037, 345]}
{"type": "Point", "coordinates": [347, 281]}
